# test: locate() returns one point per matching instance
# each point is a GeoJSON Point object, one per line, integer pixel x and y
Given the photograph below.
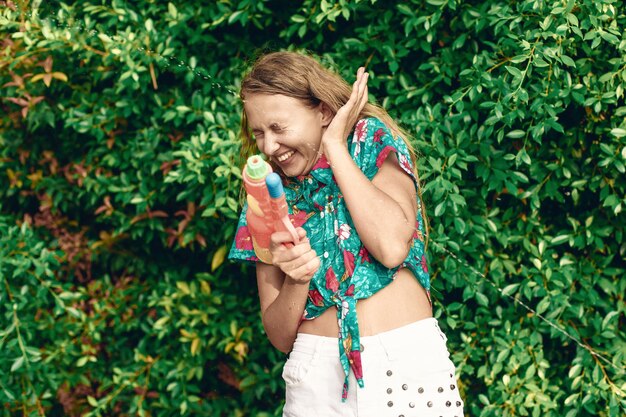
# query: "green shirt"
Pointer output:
{"type": "Point", "coordinates": [347, 272]}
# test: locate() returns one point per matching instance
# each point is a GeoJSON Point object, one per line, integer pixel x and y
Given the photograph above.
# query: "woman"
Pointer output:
{"type": "Point", "coordinates": [350, 300]}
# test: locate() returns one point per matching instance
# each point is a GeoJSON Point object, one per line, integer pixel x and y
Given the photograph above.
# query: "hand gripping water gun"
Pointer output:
{"type": "Point", "coordinates": [267, 207]}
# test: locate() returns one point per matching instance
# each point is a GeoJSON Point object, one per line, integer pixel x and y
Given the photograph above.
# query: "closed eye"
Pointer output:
{"type": "Point", "coordinates": [276, 127]}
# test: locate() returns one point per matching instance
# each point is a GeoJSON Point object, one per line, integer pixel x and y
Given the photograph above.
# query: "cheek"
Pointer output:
{"type": "Point", "coordinates": [259, 143]}
{"type": "Point", "coordinates": [306, 139]}
{"type": "Point", "coordinates": [315, 139]}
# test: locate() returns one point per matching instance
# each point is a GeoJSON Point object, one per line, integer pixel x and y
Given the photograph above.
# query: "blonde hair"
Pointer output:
{"type": "Point", "coordinates": [300, 76]}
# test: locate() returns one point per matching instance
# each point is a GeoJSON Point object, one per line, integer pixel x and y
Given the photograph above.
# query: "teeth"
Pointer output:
{"type": "Point", "coordinates": [284, 156]}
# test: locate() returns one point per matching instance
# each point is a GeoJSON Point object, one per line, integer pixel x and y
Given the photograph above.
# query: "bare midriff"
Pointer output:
{"type": "Point", "coordinates": [402, 302]}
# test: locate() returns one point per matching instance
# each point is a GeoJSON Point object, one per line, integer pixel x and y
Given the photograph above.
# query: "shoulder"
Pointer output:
{"type": "Point", "coordinates": [371, 144]}
{"type": "Point", "coordinates": [368, 137]}
{"type": "Point", "coordinates": [370, 128]}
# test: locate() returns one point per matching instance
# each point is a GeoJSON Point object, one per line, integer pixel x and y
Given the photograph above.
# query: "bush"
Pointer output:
{"type": "Point", "coordinates": [121, 178]}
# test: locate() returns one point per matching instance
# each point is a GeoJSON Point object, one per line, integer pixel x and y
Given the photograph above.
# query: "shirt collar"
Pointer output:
{"type": "Point", "coordinates": [321, 172]}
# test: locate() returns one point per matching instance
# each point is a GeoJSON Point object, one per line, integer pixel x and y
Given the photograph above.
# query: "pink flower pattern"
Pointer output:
{"type": "Point", "coordinates": [331, 280]}
{"type": "Point", "coordinates": [348, 261]}
{"type": "Point", "coordinates": [243, 240]}
{"type": "Point", "coordinates": [316, 298]}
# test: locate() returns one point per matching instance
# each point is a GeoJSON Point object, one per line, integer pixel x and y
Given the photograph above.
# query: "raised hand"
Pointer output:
{"type": "Point", "coordinates": [345, 118]}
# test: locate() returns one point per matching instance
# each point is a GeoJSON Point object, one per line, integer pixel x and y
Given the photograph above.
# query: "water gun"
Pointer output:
{"type": "Point", "coordinates": [267, 207]}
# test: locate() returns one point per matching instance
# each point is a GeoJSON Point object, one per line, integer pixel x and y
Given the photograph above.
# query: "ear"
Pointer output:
{"type": "Point", "coordinates": [327, 114]}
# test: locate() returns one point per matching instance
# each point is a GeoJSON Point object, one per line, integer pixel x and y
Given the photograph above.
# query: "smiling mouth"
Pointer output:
{"type": "Point", "coordinates": [284, 156]}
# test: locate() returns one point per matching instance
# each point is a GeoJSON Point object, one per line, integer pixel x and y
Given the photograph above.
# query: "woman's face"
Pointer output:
{"type": "Point", "coordinates": [287, 131]}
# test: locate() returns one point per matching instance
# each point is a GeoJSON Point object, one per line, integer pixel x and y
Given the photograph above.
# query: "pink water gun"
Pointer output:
{"type": "Point", "coordinates": [267, 207]}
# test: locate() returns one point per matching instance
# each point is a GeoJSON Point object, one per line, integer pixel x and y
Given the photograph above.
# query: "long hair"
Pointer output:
{"type": "Point", "coordinates": [302, 77]}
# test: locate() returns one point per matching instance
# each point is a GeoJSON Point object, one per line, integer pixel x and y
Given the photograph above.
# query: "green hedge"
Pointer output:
{"type": "Point", "coordinates": [120, 182]}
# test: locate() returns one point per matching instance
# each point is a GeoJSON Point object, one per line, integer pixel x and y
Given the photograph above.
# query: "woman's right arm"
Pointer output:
{"type": "Point", "coordinates": [284, 288]}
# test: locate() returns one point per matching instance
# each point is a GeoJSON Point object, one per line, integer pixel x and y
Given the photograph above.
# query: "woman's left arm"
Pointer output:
{"type": "Point", "coordinates": [384, 209]}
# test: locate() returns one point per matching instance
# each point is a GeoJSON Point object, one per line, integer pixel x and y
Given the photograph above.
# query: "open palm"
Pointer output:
{"type": "Point", "coordinates": [345, 118]}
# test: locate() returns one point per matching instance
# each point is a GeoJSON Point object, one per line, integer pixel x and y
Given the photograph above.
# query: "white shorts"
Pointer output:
{"type": "Point", "coordinates": [407, 372]}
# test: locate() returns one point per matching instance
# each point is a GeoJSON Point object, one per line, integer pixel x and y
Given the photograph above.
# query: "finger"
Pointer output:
{"type": "Point", "coordinates": [359, 84]}
{"type": "Point", "coordinates": [301, 232]}
{"type": "Point", "coordinates": [307, 269]}
{"type": "Point", "coordinates": [284, 255]}
{"type": "Point", "coordinates": [353, 101]}
{"type": "Point", "coordinates": [365, 97]}
{"type": "Point", "coordinates": [292, 267]}
{"type": "Point", "coordinates": [356, 86]}
{"type": "Point", "coordinates": [293, 264]}
{"type": "Point", "coordinates": [363, 83]}
{"type": "Point", "coordinates": [278, 238]}
{"type": "Point", "coordinates": [359, 96]}
{"type": "Point", "coordinates": [354, 95]}
{"type": "Point", "coordinates": [359, 73]}
{"type": "Point", "coordinates": [362, 93]}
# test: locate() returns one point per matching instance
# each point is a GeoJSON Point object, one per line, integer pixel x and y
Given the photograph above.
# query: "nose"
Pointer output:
{"type": "Point", "coordinates": [270, 144]}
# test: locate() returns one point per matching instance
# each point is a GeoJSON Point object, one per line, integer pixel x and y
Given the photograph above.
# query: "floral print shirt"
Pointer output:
{"type": "Point", "coordinates": [347, 272]}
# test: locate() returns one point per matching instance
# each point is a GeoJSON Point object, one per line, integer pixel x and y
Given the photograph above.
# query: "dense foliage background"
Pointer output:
{"type": "Point", "coordinates": [120, 178]}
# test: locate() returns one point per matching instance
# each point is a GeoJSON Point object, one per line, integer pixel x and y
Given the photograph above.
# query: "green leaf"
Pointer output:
{"type": "Point", "coordinates": [618, 132]}
{"type": "Point", "coordinates": [513, 71]}
{"type": "Point", "coordinates": [568, 61]}
{"type": "Point", "coordinates": [404, 9]}
{"type": "Point", "coordinates": [607, 319]}
{"type": "Point", "coordinates": [574, 371]}
{"type": "Point", "coordinates": [233, 17]}
{"type": "Point", "coordinates": [609, 37]}
{"type": "Point", "coordinates": [543, 306]}
{"type": "Point", "coordinates": [17, 364]}
{"type": "Point", "coordinates": [172, 10]}
{"type": "Point", "coordinates": [557, 240]}
{"type": "Point", "coordinates": [482, 299]}
{"type": "Point", "coordinates": [440, 208]}
{"type": "Point", "coordinates": [510, 289]}
{"type": "Point", "coordinates": [515, 134]}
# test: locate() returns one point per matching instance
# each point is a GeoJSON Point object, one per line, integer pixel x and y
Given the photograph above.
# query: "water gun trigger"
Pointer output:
{"type": "Point", "coordinates": [292, 230]}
